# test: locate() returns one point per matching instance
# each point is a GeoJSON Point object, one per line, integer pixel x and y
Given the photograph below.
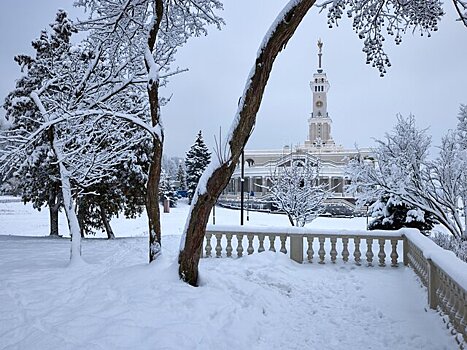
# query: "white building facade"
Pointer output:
{"type": "Point", "coordinates": [259, 165]}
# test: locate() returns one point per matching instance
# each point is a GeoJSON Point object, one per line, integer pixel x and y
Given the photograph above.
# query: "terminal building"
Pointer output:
{"type": "Point", "coordinates": [259, 165]}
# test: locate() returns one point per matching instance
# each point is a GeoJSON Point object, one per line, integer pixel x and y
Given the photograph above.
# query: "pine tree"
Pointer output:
{"type": "Point", "coordinates": [37, 179]}
{"type": "Point", "coordinates": [181, 177]}
{"type": "Point", "coordinates": [167, 190]}
{"type": "Point", "coordinates": [197, 159]}
{"type": "Point", "coordinates": [392, 213]}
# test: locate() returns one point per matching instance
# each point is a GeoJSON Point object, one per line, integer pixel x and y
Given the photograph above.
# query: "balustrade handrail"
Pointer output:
{"type": "Point", "coordinates": [444, 275]}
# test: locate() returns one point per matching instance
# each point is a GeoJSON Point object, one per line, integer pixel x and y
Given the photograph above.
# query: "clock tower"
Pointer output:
{"type": "Point", "coordinates": [319, 124]}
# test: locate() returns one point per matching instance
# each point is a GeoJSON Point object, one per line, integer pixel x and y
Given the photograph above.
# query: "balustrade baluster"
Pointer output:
{"type": "Point", "coordinates": [457, 305]}
{"type": "Point", "coordinates": [369, 251]}
{"type": "Point", "coordinates": [218, 245]}
{"type": "Point", "coordinates": [463, 320]}
{"type": "Point", "coordinates": [283, 239]}
{"type": "Point", "coordinates": [394, 254]}
{"type": "Point", "coordinates": [357, 254]}
{"type": "Point", "coordinates": [229, 248]}
{"type": "Point", "coordinates": [310, 252]}
{"type": "Point", "coordinates": [240, 245]}
{"type": "Point", "coordinates": [261, 243]}
{"type": "Point", "coordinates": [452, 302]}
{"type": "Point", "coordinates": [321, 251]}
{"type": "Point", "coordinates": [382, 253]}
{"type": "Point", "coordinates": [272, 238]}
{"type": "Point", "coordinates": [250, 248]}
{"type": "Point", "coordinates": [333, 251]}
{"type": "Point", "coordinates": [208, 248]}
{"type": "Point", "coordinates": [345, 249]}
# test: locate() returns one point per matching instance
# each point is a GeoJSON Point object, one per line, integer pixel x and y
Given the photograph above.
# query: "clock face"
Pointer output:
{"type": "Point", "coordinates": [319, 104]}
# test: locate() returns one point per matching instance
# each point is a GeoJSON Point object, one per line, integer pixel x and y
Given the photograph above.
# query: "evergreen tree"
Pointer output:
{"type": "Point", "coordinates": [392, 213]}
{"type": "Point", "coordinates": [37, 179]}
{"type": "Point", "coordinates": [181, 177]}
{"type": "Point", "coordinates": [125, 192]}
{"type": "Point", "coordinates": [197, 159]}
{"type": "Point", "coordinates": [167, 190]}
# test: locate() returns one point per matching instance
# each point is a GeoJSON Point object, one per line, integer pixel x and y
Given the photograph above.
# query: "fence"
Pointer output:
{"type": "Point", "coordinates": [444, 275]}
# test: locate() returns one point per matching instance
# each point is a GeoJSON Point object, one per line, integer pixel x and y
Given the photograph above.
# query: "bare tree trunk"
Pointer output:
{"type": "Point", "coordinates": [54, 205]}
{"type": "Point", "coordinates": [106, 223]}
{"type": "Point", "coordinates": [218, 178]}
{"type": "Point", "coordinates": [291, 219]}
{"type": "Point", "coordinates": [152, 198]}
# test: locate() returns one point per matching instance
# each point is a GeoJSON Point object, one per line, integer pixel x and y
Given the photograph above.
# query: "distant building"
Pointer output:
{"type": "Point", "coordinates": [260, 164]}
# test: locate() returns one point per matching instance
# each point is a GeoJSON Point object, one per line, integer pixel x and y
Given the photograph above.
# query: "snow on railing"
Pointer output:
{"type": "Point", "coordinates": [238, 240]}
{"type": "Point", "coordinates": [444, 275]}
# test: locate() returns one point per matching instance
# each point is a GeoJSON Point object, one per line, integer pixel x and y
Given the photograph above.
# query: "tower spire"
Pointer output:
{"type": "Point", "coordinates": [320, 54]}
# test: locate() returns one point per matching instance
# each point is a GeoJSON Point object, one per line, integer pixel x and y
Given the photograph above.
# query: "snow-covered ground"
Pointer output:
{"type": "Point", "coordinates": [262, 301]}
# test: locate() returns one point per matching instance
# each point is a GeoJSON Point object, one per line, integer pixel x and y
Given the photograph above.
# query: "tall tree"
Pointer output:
{"type": "Point", "coordinates": [37, 176]}
{"type": "Point", "coordinates": [77, 131]}
{"type": "Point", "coordinates": [196, 161]}
{"type": "Point", "coordinates": [142, 37]}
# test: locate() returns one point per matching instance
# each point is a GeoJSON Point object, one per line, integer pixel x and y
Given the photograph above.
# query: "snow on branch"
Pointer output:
{"type": "Point", "coordinates": [296, 191]}
{"type": "Point", "coordinates": [396, 16]}
{"type": "Point", "coordinates": [401, 168]}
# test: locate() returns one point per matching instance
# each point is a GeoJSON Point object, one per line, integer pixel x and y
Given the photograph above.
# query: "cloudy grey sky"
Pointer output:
{"type": "Point", "coordinates": [428, 77]}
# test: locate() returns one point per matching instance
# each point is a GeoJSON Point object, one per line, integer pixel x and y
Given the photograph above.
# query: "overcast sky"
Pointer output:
{"type": "Point", "coordinates": [428, 77]}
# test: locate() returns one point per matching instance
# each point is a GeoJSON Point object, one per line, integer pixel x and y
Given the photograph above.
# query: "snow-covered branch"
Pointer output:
{"type": "Point", "coordinates": [396, 16]}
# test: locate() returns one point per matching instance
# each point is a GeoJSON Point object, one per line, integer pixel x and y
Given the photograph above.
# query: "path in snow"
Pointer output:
{"type": "Point", "coordinates": [263, 301]}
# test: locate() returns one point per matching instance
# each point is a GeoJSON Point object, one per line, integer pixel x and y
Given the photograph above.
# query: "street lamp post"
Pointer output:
{"type": "Point", "coordinates": [248, 207]}
{"type": "Point", "coordinates": [242, 180]}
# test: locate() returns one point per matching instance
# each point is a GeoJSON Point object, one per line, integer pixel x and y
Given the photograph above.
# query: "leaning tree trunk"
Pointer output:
{"type": "Point", "coordinates": [106, 223]}
{"type": "Point", "coordinates": [152, 196]}
{"type": "Point", "coordinates": [217, 177]}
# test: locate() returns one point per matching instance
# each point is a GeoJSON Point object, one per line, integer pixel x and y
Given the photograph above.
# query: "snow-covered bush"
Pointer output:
{"type": "Point", "coordinates": [456, 245]}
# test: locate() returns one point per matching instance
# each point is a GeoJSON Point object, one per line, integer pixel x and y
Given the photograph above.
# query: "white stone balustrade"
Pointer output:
{"type": "Point", "coordinates": [328, 245]}
{"type": "Point", "coordinates": [444, 275]}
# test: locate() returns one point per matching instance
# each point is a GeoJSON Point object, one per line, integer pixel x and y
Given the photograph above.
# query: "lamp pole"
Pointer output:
{"type": "Point", "coordinates": [242, 180]}
{"type": "Point", "coordinates": [248, 207]}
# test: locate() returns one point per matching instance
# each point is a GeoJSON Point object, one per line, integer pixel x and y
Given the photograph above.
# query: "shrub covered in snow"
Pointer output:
{"type": "Point", "coordinates": [449, 242]}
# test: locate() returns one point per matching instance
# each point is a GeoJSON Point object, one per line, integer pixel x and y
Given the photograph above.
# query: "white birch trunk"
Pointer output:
{"type": "Point", "coordinates": [68, 204]}
{"type": "Point", "coordinates": [72, 218]}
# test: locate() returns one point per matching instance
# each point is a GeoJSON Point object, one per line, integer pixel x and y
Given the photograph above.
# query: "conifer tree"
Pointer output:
{"type": "Point", "coordinates": [37, 179]}
{"type": "Point", "coordinates": [181, 177]}
{"type": "Point", "coordinates": [392, 213]}
{"type": "Point", "coordinates": [167, 190]}
{"type": "Point", "coordinates": [197, 159]}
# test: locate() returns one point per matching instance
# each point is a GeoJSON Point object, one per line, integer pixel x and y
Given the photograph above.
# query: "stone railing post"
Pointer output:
{"type": "Point", "coordinates": [405, 251]}
{"type": "Point", "coordinates": [296, 248]}
{"type": "Point", "coordinates": [432, 284]}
